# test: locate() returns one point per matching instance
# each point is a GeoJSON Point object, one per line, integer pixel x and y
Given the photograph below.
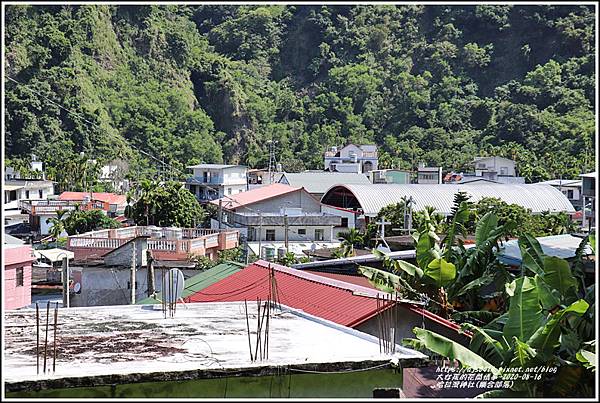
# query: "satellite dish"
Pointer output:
{"type": "Point", "coordinates": [77, 288]}
{"type": "Point", "coordinates": [173, 285]}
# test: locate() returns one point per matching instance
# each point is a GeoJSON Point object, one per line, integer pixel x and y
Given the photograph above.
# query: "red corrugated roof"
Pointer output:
{"type": "Point", "coordinates": [358, 280]}
{"type": "Point", "coordinates": [255, 195]}
{"type": "Point", "coordinates": [316, 295]}
{"type": "Point", "coordinates": [111, 198]}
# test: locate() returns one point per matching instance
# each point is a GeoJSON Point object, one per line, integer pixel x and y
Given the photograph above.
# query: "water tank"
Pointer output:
{"type": "Point", "coordinates": [281, 252]}
{"type": "Point", "coordinates": [268, 252]}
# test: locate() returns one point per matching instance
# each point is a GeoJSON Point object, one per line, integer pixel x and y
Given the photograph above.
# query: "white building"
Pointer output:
{"type": "Point", "coordinates": [491, 167]}
{"type": "Point", "coordinates": [213, 181]}
{"type": "Point", "coordinates": [429, 175]}
{"type": "Point", "coordinates": [276, 214]}
{"type": "Point", "coordinates": [19, 190]}
{"type": "Point", "coordinates": [351, 159]}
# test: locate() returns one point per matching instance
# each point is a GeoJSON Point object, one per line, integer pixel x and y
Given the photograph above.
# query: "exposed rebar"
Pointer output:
{"type": "Point", "coordinates": [55, 324]}
{"type": "Point", "coordinates": [46, 341]}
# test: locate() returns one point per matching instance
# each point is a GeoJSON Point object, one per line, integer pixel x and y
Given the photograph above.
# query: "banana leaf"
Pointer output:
{"type": "Point", "coordinates": [408, 268]}
{"type": "Point", "coordinates": [452, 350]}
{"type": "Point", "coordinates": [531, 254]}
{"type": "Point", "coordinates": [557, 274]}
{"type": "Point", "coordinates": [477, 283]}
{"type": "Point", "coordinates": [587, 358]}
{"type": "Point", "coordinates": [486, 224]}
{"type": "Point", "coordinates": [523, 354]}
{"type": "Point", "coordinates": [549, 298]}
{"type": "Point", "coordinates": [440, 272]}
{"type": "Point", "coordinates": [592, 241]}
{"type": "Point", "coordinates": [490, 344]}
{"type": "Point", "coordinates": [381, 279]}
{"type": "Point", "coordinates": [546, 338]}
{"type": "Point", "coordinates": [524, 312]}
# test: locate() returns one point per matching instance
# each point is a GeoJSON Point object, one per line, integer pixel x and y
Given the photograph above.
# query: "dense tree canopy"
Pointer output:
{"type": "Point", "coordinates": [438, 84]}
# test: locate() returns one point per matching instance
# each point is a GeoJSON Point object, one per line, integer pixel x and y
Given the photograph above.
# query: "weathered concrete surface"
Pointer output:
{"type": "Point", "coordinates": [125, 344]}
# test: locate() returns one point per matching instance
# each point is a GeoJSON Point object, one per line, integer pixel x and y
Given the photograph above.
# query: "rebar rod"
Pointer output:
{"type": "Point", "coordinates": [46, 341]}
{"type": "Point", "coordinates": [37, 347]}
{"type": "Point", "coordinates": [248, 330]}
{"type": "Point", "coordinates": [55, 324]}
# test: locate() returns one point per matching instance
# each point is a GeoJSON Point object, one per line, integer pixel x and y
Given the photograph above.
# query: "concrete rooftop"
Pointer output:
{"type": "Point", "coordinates": [124, 344]}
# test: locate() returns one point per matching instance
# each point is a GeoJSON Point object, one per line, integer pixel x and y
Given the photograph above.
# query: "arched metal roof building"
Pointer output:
{"type": "Point", "coordinates": [372, 198]}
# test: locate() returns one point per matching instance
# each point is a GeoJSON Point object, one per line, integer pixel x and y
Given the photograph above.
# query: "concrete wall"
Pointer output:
{"type": "Point", "coordinates": [293, 234]}
{"type": "Point", "coordinates": [110, 285]}
{"type": "Point", "coordinates": [14, 258]}
{"type": "Point", "coordinates": [123, 256]}
{"type": "Point", "coordinates": [408, 320]}
{"type": "Point", "coordinates": [287, 384]}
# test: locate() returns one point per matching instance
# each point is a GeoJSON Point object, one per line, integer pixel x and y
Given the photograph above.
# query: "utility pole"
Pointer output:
{"type": "Point", "coordinates": [65, 281]}
{"type": "Point", "coordinates": [150, 265]}
{"type": "Point", "coordinates": [285, 224]}
{"type": "Point", "coordinates": [220, 213]}
{"type": "Point", "coordinates": [259, 235]}
{"type": "Point", "coordinates": [133, 274]}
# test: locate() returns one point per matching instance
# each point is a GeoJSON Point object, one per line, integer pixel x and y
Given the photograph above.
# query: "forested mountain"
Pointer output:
{"type": "Point", "coordinates": [190, 84]}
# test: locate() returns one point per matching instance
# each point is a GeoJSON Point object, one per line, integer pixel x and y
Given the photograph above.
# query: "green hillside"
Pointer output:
{"type": "Point", "coordinates": [190, 84]}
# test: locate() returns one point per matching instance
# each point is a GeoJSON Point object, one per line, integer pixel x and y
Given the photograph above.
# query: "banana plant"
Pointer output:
{"type": "Point", "coordinates": [543, 326]}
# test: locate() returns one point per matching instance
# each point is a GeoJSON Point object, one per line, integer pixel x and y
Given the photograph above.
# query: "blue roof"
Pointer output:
{"type": "Point", "coordinates": [563, 246]}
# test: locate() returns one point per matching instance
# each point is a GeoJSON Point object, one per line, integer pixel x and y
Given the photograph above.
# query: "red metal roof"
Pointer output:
{"type": "Point", "coordinates": [255, 195]}
{"type": "Point", "coordinates": [358, 280]}
{"type": "Point", "coordinates": [316, 295]}
{"type": "Point", "coordinates": [111, 198]}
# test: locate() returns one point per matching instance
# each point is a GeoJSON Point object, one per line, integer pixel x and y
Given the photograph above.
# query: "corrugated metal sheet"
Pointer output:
{"type": "Point", "coordinates": [202, 280]}
{"type": "Point", "coordinates": [319, 296]}
{"type": "Point", "coordinates": [563, 246]}
{"type": "Point", "coordinates": [319, 182]}
{"type": "Point", "coordinates": [536, 197]}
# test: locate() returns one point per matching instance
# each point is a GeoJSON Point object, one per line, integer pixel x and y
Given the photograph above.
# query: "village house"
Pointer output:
{"type": "Point", "coordinates": [40, 211]}
{"type": "Point", "coordinates": [429, 175]}
{"type": "Point", "coordinates": [351, 159]}
{"type": "Point", "coordinates": [588, 192]}
{"type": "Point", "coordinates": [278, 216]}
{"type": "Point", "coordinates": [201, 351]}
{"type": "Point", "coordinates": [389, 176]}
{"type": "Point", "coordinates": [17, 275]}
{"type": "Point", "coordinates": [212, 181]}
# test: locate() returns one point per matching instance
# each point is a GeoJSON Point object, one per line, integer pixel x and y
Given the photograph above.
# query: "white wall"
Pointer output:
{"type": "Point", "coordinates": [293, 199]}
{"type": "Point", "coordinates": [293, 234]}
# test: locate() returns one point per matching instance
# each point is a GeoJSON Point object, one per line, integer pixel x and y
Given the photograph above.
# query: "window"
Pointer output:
{"type": "Point", "coordinates": [301, 231]}
{"type": "Point", "coordinates": [319, 234]}
{"type": "Point", "coordinates": [228, 191]}
{"type": "Point", "coordinates": [270, 235]}
{"type": "Point", "coordinates": [41, 194]}
{"type": "Point", "coordinates": [27, 194]}
{"type": "Point", "coordinates": [345, 222]}
{"type": "Point", "coordinates": [19, 277]}
{"type": "Point", "coordinates": [569, 194]}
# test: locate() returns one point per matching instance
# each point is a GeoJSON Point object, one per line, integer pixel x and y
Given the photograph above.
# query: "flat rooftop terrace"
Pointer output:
{"type": "Point", "coordinates": [127, 344]}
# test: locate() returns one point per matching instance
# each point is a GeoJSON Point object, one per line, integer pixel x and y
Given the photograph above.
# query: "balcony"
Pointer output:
{"type": "Point", "coordinates": [314, 219]}
{"type": "Point", "coordinates": [167, 243]}
{"type": "Point", "coordinates": [49, 207]}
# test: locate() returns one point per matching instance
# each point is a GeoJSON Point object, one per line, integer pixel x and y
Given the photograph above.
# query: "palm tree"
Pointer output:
{"type": "Point", "coordinates": [58, 224]}
{"type": "Point", "coordinates": [352, 239]}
